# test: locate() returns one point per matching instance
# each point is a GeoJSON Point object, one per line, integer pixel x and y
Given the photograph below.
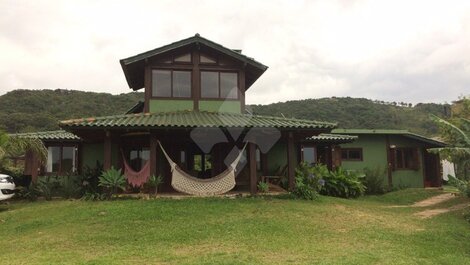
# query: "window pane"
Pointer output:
{"type": "Point", "coordinates": [68, 159]}
{"type": "Point", "coordinates": [228, 85]}
{"type": "Point", "coordinates": [399, 158]}
{"type": "Point", "coordinates": [309, 155]}
{"type": "Point", "coordinates": [408, 153]}
{"type": "Point", "coordinates": [355, 154]}
{"type": "Point", "coordinates": [53, 159]}
{"type": "Point", "coordinates": [184, 58]}
{"type": "Point", "coordinates": [181, 84]}
{"type": "Point", "coordinates": [161, 83]}
{"type": "Point", "coordinates": [205, 59]}
{"type": "Point", "coordinates": [209, 84]}
{"type": "Point", "coordinates": [344, 154]}
{"type": "Point", "coordinates": [197, 163]}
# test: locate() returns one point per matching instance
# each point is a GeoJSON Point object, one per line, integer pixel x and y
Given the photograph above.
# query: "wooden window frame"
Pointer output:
{"type": "Point", "coordinates": [61, 157]}
{"type": "Point", "coordinates": [413, 159]}
{"type": "Point", "coordinates": [171, 70]}
{"type": "Point", "coordinates": [219, 87]}
{"type": "Point", "coordinates": [315, 154]}
{"type": "Point", "coordinates": [347, 150]}
{"type": "Point", "coordinates": [215, 58]}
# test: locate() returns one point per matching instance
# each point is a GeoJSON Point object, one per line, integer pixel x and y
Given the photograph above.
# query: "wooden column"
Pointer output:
{"type": "Point", "coordinates": [389, 161]}
{"type": "Point", "coordinates": [291, 161]}
{"type": "Point", "coordinates": [107, 151]}
{"type": "Point", "coordinates": [153, 154]}
{"type": "Point", "coordinates": [252, 167]}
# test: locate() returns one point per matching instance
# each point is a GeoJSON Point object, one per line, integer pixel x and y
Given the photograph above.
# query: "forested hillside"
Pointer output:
{"type": "Point", "coordinates": [360, 113]}
{"type": "Point", "coordinates": [34, 110]}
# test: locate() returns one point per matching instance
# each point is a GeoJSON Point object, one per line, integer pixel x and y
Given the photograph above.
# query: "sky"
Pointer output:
{"type": "Point", "coordinates": [411, 51]}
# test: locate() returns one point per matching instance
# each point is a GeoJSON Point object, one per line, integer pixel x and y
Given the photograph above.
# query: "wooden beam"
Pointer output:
{"type": "Point", "coordinates": [107, 151]}
{"type": "Point", "coordinates": [153, 154]}
{"type": "Point", "coordinates": [389, 162]}
{"type": "Point", "coordinates": [291, 161]}
{"type": "Point", "coordinates": [252, 167]}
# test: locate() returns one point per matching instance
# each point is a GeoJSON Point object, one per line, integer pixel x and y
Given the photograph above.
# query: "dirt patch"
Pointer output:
{"type": "Point", "coordinates": [433, 212]}
{"type": "Point", "coordinates": [434, 200]}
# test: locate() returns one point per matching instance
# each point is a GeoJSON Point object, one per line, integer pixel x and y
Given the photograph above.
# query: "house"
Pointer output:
{"type": "Point", "coordinates": [402, 156]}
{"type": "Point", "coordinates": [194, 109]}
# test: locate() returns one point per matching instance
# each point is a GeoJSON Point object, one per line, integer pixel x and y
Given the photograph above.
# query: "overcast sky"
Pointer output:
{"type": "Point", "coordinates": [412, 51]}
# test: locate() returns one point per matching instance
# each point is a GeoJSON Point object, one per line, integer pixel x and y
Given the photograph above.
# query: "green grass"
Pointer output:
{"type": "Point", "coordinates": [232, 231]}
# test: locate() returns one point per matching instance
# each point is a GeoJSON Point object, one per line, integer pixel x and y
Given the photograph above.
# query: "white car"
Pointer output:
{"type": "Point", "coordinates": [7, 187]}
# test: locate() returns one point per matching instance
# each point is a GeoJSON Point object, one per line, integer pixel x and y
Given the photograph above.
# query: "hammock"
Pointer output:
{"type": "Point", "coordinates": [183, 182]}
{"type": "Point", "coordinates": [136, 179]}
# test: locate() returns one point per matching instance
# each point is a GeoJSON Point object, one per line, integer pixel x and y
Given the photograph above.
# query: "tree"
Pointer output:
{"type": "Point", "coordinates": [13, 147]}
{"type": "Point", "coordinates": [458, 138]}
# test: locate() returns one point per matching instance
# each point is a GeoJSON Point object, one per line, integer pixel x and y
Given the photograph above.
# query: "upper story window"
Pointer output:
{"type": "Point", "coordinates": [171, 83]}
{"type": "Point", "coordinates": [206, 59]}
{"type": "Point", "coordinates": [221, 85]}
{"type": "Point", "coordinates": [185, 58]}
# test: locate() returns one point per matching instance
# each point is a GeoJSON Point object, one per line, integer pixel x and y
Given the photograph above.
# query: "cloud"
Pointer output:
{"type": "Point", "coordinates": [414, 51]}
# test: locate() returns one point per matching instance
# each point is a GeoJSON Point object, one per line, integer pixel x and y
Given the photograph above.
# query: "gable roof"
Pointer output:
{"type": "Point", "coordinates": [133, 66]}
{"type": "Point", "coordinates": [58, 135]}
{"type": "Point", "coordinates": [193, 119]}
{"type": "Point", "coordinates": [403, 133]}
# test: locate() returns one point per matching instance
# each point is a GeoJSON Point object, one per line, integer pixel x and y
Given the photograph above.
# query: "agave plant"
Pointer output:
{"type": "Point", "coordinates": [113, 180]}
{"type": "Point", "coordinates": [154, 182]}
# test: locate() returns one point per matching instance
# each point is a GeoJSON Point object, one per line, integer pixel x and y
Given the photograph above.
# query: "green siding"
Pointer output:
{"type": "Point", "coordinates": [92, 153]}
{"type": "Point", "coordinates": [95, 152]}
{"type": "Point", "coordinates": [374, 152]}
{"type": "Point", "coordinates": [220, 106]}
{"type": "Point", "coordinates": [169, 105]}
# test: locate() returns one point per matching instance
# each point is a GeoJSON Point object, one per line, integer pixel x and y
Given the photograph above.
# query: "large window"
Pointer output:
{"type": "Point", "coordinates": [61, 159]}
{"type": "Point", "coordinates": [309, 155]}
{"type": "Point", "coordinates": [406, 158]}
{"type": "Point", "coordinates": [222, 85]}
{"type": "Point", "coordinates": [138, 157]}
{"type": "Point", "coordinates": [170, 83]}
{"type": "Point", "coordinates": [351, 154]}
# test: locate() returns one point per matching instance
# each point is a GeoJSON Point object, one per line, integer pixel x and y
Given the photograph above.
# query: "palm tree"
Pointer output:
{"type": "Point", "coordinates": [15, 146]}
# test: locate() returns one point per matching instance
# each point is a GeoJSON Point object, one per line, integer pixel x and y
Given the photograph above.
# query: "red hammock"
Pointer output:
{"type": "Point", "coordinates": [136, 179]}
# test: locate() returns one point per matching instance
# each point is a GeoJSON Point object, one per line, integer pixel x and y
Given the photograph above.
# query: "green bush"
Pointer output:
{"type": "Point", "coordinates": [263, 187]}
{"type": "Point", "coordinates": [462, 185]}
{"type": "Point", "coordinates": [343, 183]}
{"type": "Point", "coordinates": [69, 186]}
{"type": "Point", "coordinates": [30, 192]}
{"type": "Point", "coordinates": [112, 180]}
{"type": "Point", "coordinates": [90, 178]}
{"type": "Point", "coordinates": [154, 182]}
{"type": "Point", "coordinates": [374, 180]}
{"type": "Point", "coordinates": [47, 186]}
{"type": "Point", "coordinates": [308, 180]}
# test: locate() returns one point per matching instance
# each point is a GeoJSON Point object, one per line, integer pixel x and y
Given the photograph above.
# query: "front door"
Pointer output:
{"type": "Point", "coordinates": [432, 170]}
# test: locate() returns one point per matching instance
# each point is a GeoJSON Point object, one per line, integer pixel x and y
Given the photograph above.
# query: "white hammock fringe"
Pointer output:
{"type": "Point", "coordinates": [222, 183]}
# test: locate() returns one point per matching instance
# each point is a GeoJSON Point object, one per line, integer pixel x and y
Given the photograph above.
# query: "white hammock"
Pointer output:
{"type": "Point", "coordinates": [183, 182]}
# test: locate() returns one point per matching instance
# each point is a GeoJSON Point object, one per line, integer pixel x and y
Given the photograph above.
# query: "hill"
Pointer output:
{"type": "Point", "coordinates": [360, 113]}
{"type": "Point", "coordinates": [33, 110]}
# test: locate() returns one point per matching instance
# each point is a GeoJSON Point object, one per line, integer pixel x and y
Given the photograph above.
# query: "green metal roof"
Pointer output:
{"type": "Point", "coordinates": [192, 119]}
{"type": "Point", "coordinates": [134, 76]}
{"type": "Point", "coordinates": [59, 135]}
{"type": "Point", "coordinates": [403, 133]}
{"type": "Point", "coordinates": [331, 138]}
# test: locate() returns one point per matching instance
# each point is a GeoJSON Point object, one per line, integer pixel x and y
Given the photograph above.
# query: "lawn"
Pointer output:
{"type": "Point", "coordinates": [233, 231]}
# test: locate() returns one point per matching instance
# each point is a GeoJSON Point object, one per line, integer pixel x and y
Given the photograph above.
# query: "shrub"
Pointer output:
{"type": "Point", "coordinates": [462, 185]}
{"type": "Point", "coordinates": [47, 186]}
{"type": "Point", "coordinates": [29, 192]}
{"type": "Point", "coordinates": [112, 180]}
{"type": "Point", "coordinates": [90, 178]}
{"type": "Point", "coordinates": [342, 183]}
{"type": "Point", "coordinates": [374, 180]}
{"type": "Point", "coordinates": [154, 182]}
{"type": "Point", "coordinates": [308, 180]}
{"type": "Point", "coordinates": [263, 187]}
{"type": "Point", "coordinates": [69, 186]}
